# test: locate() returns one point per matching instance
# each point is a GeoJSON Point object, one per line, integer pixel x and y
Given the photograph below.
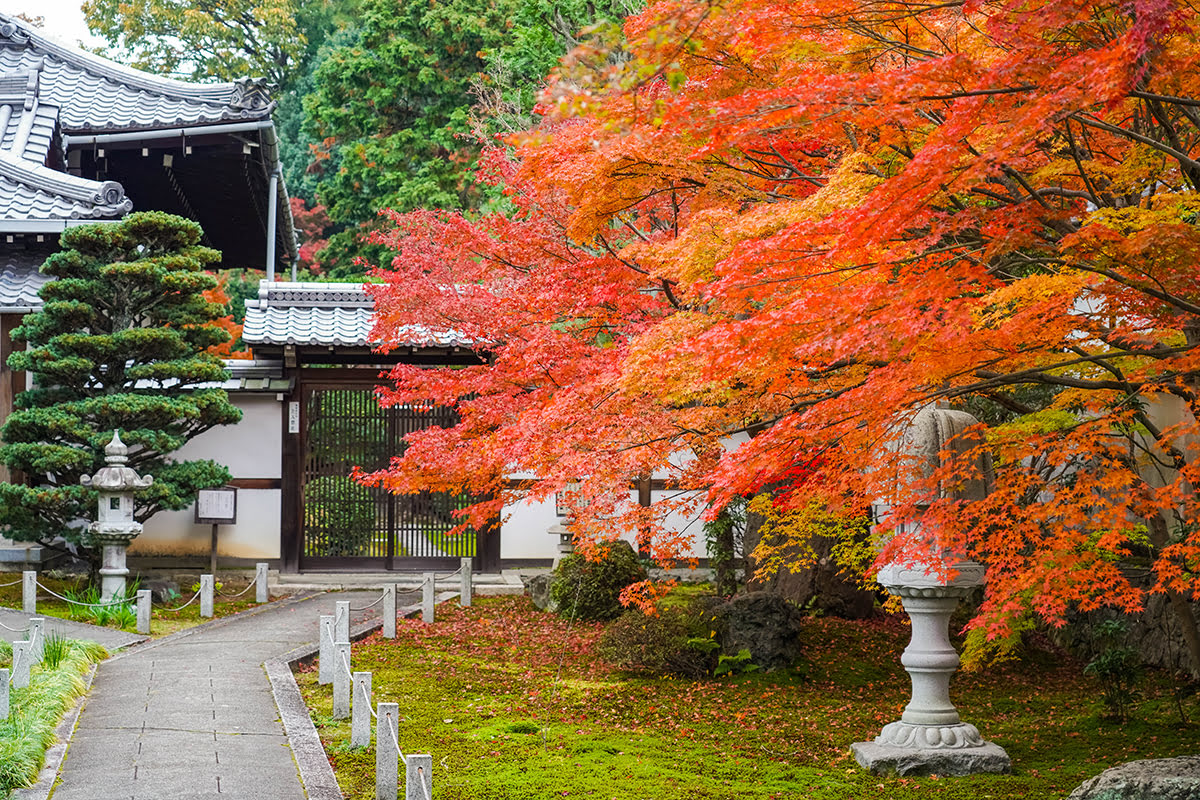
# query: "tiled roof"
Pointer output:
{"type": "Point", "coordinates": [95, 94]}
{"type": "Point", "coordinates": [245, 375]}
{"type": "Point", "coordinates": [21, 280]}
{"type": "Point", "coordinates": [324, 314]}
{"type": "Point", "coordinates": [31, 191]}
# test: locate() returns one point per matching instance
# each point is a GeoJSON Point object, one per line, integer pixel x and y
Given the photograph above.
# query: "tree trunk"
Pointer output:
{"type": "Point", "coordinates": [1179, 604]}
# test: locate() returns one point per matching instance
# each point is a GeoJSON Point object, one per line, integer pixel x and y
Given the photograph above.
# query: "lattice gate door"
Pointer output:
{"type": "Point", "coordinates": [345, 524]}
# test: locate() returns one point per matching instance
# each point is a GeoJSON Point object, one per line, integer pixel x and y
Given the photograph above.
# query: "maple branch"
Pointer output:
{"type": "Point", "coordinates": [1182, 158]}
{"type": "Point", "coordinates": [1166, 98]}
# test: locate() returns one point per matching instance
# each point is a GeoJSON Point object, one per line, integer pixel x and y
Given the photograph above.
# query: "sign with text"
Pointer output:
{"type": "Point", "coordinates": [217, 506]}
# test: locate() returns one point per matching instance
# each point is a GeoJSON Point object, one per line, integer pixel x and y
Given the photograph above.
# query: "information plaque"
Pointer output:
{"type": "Point", "coordinates": [217, 506]}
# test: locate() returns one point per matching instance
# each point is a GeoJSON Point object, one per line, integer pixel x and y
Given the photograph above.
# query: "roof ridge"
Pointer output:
{"type": "Point", "coordinates": [226, 94]}
{"type": "Point", "coordinates": [106, 193]}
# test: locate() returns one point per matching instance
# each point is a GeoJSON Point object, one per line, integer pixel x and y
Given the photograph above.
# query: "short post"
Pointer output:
{"type": "Point", "coordinates": [418, 777]}
{"type": "Point", "coordinates": [4, 678]}
{"type": "Point", "coordinates": [206, 595]}
{"type": "Point", "coordinates": [261, 595]}
{"type": "Point", "coordinates": [143, 612]}
{"type": "Point", "coordinates": [37, 638]}
{"type": "Point", "coordinates": [427, 598]}
{"type": "Point", "coordinates": [389, 611]}
{"type": "Point", "coordinates": [325, 650]}
{"type": "Point", "coordinates": [29, 592]}
{"type": "Point", "coordinates": [341, 680]}
{"type": "Point", "coordinates": [387, 751]}
{"type": "Point", "coordinates": [21, 661]}
{"type": "Point", "coordinates": [360, 711]}
{"type": "Point", "coordinates": [464, 576]}
{"type": "Point", "coordinates": [341, 621]}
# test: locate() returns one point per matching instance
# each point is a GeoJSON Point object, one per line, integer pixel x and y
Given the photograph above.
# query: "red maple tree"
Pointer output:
{"type": "Point", "coordinates": [809, 219]}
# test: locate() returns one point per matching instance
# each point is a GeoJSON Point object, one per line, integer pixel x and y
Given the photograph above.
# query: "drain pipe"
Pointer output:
{"type": "Point", "coordinates": [272, 213]}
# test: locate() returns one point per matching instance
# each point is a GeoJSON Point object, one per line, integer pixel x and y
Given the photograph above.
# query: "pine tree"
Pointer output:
{"type": "Point", "coordinates": [122, 342]}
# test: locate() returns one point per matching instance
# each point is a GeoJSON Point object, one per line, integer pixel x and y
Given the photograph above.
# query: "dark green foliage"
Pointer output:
{"type": "Point", "coordinates": [681, 639]}
{"type": "Point", "coordinates": [585, 588]}
{"type": "Point", "coordinates": [724, 540]}
{"type": "Point", "coordinates": [340, 513]}
{"type": "Point", "coordinates": [391, 106]}
{"type": "Point", "coordinates": [1117, 667]}
{"type": "Point", "coordinates": [120, 343]}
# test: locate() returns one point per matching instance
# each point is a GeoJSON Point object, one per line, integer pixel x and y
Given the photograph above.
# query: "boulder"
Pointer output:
{"type": "Point", "coordinates": [161, 589]}
{"type": "Point", "coordinates": [1149, 779]}
{"type": "Point", "coordinates": [765, 624]}
{"type": "Point", "coordinates": [539, 591]}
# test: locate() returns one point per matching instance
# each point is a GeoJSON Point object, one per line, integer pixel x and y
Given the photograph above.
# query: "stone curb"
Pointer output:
{"type": "Point", "coordinates": [316, 774]}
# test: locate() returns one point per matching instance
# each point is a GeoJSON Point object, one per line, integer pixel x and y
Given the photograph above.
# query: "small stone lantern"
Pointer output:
{"type": "Point", "coordinates": [562, 528]}
{"type": "Point", "coordinates": [930, 737]}
{"type": "Point", "coordinates": [114, 527]}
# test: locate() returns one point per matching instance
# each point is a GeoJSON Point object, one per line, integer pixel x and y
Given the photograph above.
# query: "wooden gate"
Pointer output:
{"type": "Point", "coordinates": [347, 525]}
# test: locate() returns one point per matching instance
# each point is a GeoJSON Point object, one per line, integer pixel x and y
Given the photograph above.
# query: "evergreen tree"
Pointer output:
{"type": "Point", "coordinates": [122, 342]}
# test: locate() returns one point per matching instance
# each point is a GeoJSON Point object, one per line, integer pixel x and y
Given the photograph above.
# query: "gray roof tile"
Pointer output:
{"type": "Point", "coordinates": [325, 314]}
{"type": "Point", "coordinates": [20, 280]}
{"type": "Point", "coordinates": [31, 191]}
{"type": "Point", "coordinates": [96, 94]}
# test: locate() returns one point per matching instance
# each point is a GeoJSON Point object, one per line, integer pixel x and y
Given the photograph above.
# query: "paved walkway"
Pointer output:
{"type": "Point", "coordinates": [11, 618]}
{"type": "Point", "coordinates": [192, 715]}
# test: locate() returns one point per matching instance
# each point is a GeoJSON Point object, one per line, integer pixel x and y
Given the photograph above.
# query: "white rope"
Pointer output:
{"type": "Point", "coordinates": [395, 741]}
{"type": "Point", "coordinates": [14, 630]}
{"type": "Point", "coordinates": [14, 583]}
{"type": "Point", "coordinates": [185, 605]}
{"type": "Point", "coordinates": [367, 697]}
{"type": "Point", "coordinates": [242, 592]}
{"type": "Point", "coordinates": [424, 786]}
{"type": "Point", "coordinates": [448, 577]}
{"type": "Point", "coordinates": [346, 664]}
{"type": "Point", "coordinates": [364, 608]}
{"type": "Point", "coordinates": [81, 603]}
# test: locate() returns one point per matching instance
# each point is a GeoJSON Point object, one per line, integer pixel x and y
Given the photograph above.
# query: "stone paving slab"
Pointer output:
{"type": "Point", "coordinates": [192, 715]}
{"type": "Point", "coordinates": [109, 637]}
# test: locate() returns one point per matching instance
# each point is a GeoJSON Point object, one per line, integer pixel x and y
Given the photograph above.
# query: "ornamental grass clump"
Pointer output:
{"type": "Point", "coordinates": [35, 711]}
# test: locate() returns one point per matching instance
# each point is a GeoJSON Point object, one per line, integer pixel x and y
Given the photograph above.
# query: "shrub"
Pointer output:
{"type": "Point", "coordinates": [339, 516]}
{"type": "Point", "coordinates": [681, 639]}
{"type": "Point", "coordinates": [590, 588]}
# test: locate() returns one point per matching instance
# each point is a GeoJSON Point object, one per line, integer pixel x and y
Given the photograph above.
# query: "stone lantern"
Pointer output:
{"type": "Point", "coordinates": [930, 737]}
{"type": "Point", "coordinates": [114, 527]}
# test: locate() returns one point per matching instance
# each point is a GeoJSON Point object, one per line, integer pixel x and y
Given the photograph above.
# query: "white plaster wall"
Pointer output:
{"type": "Point", "coordinates": [524, 532]}
{"type": "Point", "coordinates": [251, 448]}
{"type": "Point", "coordinates": [256, 534]}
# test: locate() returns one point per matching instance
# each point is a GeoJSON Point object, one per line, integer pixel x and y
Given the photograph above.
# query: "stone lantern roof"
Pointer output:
{"type": "Point", "coordinates": [116, 476]}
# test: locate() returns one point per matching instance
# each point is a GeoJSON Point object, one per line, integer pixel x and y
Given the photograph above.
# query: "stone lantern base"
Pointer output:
{"type": "Point", "coordinates": [888, 759]}
{"type": "Point", "coordinates": [930, 737]}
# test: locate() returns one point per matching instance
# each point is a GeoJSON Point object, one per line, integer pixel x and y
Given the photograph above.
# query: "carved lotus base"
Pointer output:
{"type": "Point", "coordinates": [925, 737]}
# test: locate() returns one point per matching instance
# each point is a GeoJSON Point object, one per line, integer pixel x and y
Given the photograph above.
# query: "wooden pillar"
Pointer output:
{"type": "Point", "coordinates": [290, 512]}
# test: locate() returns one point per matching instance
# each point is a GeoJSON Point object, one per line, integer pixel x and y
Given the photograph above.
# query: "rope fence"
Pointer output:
{"type": "Point", "coordinates": [242, 592]}
{"type": "Point", "coordinates": [52, 593]}
{"type": "Point", "coordinates": [11, 583]}
{"type": "Point", "coordinates": [14, 630]}
{"type": "Point", "coordinates": [185, 605]}
{"type": "Point", "coordinates": [352, 693]}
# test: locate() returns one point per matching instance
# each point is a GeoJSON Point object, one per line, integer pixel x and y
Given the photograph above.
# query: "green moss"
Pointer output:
{"type": "Point", "coordinates": [483, 692]}
{"type": "Point", "coordinates": [35, 712]}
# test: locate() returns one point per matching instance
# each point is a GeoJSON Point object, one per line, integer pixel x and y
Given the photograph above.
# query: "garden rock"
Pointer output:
{"type": "Point", "coordinates": [765, 624]}
{"type": "Point", "coordinates": [162, 590]}
{"type": "Point", "coordinates": [539, 592]}
{"type": "Point", "coordinates": [1148, 779]}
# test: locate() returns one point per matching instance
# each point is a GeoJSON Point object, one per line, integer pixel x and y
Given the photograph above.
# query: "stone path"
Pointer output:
{"type": "Point", "coordinates": [109, 637]}
{"type": "Point", "coordinates": [192, 715]}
